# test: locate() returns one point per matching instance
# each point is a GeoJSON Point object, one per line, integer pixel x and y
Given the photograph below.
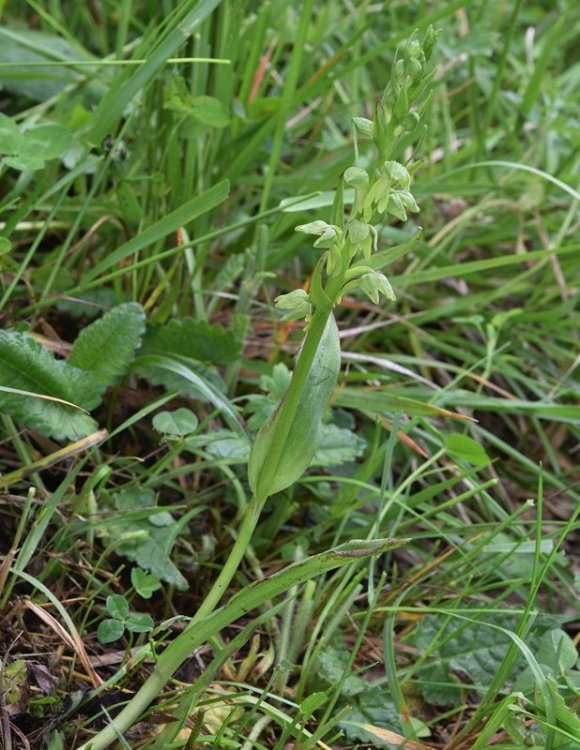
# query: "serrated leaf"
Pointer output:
{"type": "Point", "coordinates": [107, 347]}
{"type": "Point", "coordinates": [140, 623]}
{"type": "Point", "coordinates": [110, 630]}
{"type": "Point", "coordinates": [337, 445]}
{"type": "Point", "coordinates": [28, 366]}
{"type": "Point", "coordinates": [193, 339]}
{"type": "Point", "coordinates": [332, 663]}
{"type": "Point", "coordinates": [149, 544]}
{"type": "Point", "coordinates": [117, 606]}
{"type": "Point", "coordinates": [375, 708]}
{"type": "Point", "coordinates": [179, 422]}
{"type": "Point", "coordinates": [465, 448]}
{"type": "Point", "coordinates": [474, 649]}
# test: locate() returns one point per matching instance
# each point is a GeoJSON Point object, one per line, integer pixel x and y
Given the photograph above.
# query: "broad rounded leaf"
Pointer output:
{"type": "Point", "coordinates": [144, 583]}
{"type": "Point", "coordinates": [179, 422]}
{"type": "Point", "coordinates": [210, 111]}
{"type": "Point", "coordinates": [467, 449]}
{"type": "Point", "coordinates": [140, 623]}
{"type": "Point", "coordinates": [110, 630]}
{"type": "Point", "coordinates": [10, 136]}
{"type": "Point", "coordinates": [46, 142]}
{"type": "Point", "coordinates": [117, 606]}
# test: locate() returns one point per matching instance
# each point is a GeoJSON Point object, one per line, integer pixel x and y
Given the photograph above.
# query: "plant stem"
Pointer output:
{"type": "Point", "coordinates": [230, 568]}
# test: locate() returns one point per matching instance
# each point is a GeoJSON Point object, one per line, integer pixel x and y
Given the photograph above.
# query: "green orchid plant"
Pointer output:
{"type": "Point", "coordinates": [284, 446]}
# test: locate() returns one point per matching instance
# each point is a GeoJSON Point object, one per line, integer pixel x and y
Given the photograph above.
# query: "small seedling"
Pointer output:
{"type": "Point", "coordinates": [113, 627]}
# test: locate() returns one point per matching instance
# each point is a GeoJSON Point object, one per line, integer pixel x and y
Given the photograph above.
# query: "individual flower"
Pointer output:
{"type": "Point", "coordinates": [328, 234]}
{"type": "Point", "coordinates": [358, 179]}
{"type": "Point", "coordinates": [362, 237]}
{"type": "Point", "coordinates": [295, 305]}
{"type": "Point", "coordinates": [370, 282]}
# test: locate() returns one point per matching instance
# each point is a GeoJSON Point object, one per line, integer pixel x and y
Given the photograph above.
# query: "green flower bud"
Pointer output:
{"type": "Point", "coordinates": [295, 304]}
{"type": "Point", "coordinates": [414, 49]}
{"type": "Point", "coordinates": [399, 72]}
{"type": "Point", "coordinates": [410, 121]}
{"type": "Point", "coordinates": [364, 128]}
{"type": "Point", "coordinates": [429, 41]}
{"type": "Point", "coordinates": [414, 69]}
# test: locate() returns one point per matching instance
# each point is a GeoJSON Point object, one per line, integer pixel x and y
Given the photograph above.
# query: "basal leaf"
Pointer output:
{"type": "Point", "coordinates": [107, 347]}
{"type": "Point", "coordinates": [194, 339]}
{"type": "Point", "coordinates": [28, 366]}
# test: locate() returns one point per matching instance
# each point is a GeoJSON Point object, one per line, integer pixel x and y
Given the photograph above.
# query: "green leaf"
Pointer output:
{"type": "Point", "coordinates": [331, 669]}
{"type": "Point", "coordinates": [46, 142]}
{"type": "Point", "coordinates": [337, 445]}
{"type": "Point", "coordinates": [194, 339]}
{"type": "Point", "coordinates": [5, 245]}
{"type": "Point", "coordinates": [144, 583]}
{"type": "Point", "coordinates": [210, 111]}
{"type": "Point", "coordinates": [10, 136]}
{"type": "Point", "coordinates": [148, 541]}
{"type": "Point", "coordinates": [557, 650]}
{"type": "Point", "coordinates": [567, 721]}
{"type": "Point", "coordinates": [110, 630]}
{"type": "Point", "coordinates": [179, 422]}
{"type": "Point", "coordinates": [117, 606]}
{"type": "Point", "coordinates": [223, 444]}
{"type": "Point", "coordinates": [41, 82]}
{"type": "Point", "coordinates": [162, 370]}
{"type": "Point", "coordinates": [24, 163]}
{"type": "Point", "coordinates": [140, 623]}
{"type": "Point", "coordinates": [107, 347]}
{"type": "Point", "coordinates": [310, 704]}
{"type": "Point", "coordinates": [373, 708]}
{"type": "Point", "coordinates": [28, 366]}
{"type": "Point", "coordinates": [464, 448]}
{"type": "Point", "coordinates": [474, 649]}
{"type": "Point", "coordinates": [301, 435]}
